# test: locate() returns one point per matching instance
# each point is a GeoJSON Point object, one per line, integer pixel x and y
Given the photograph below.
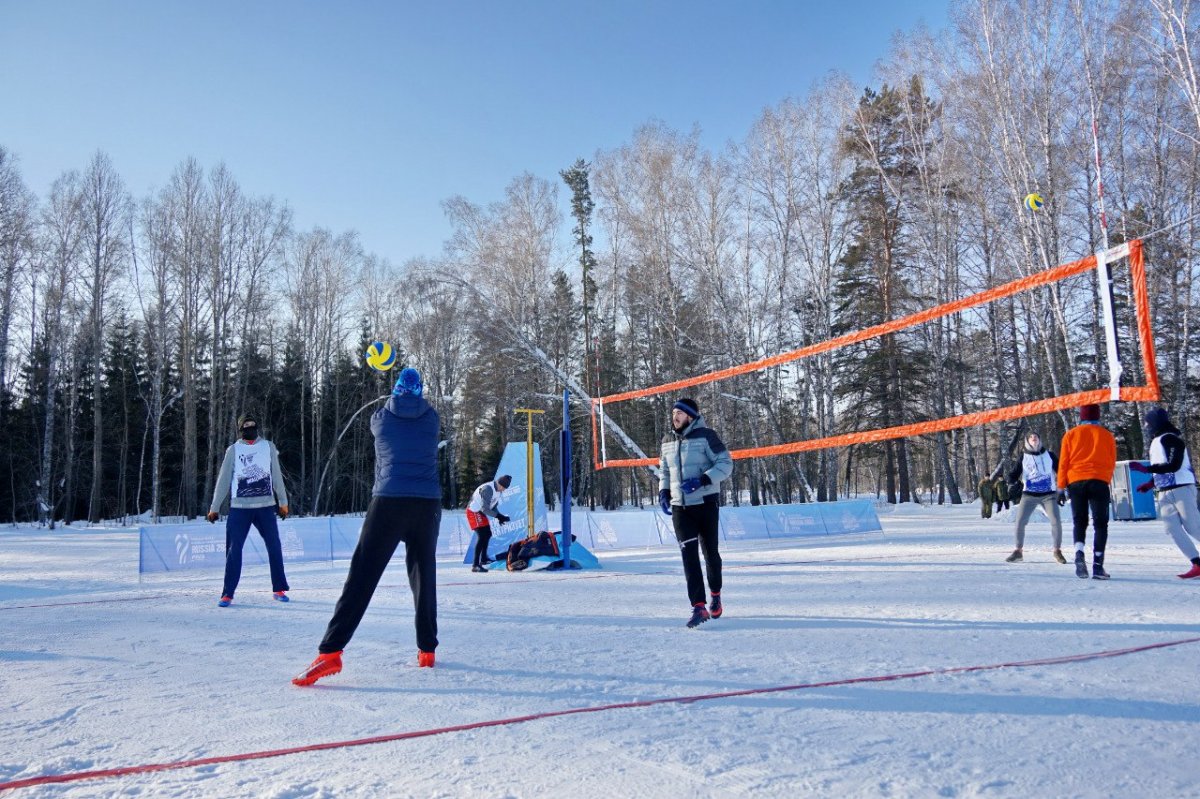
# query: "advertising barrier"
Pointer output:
{"type": "Point", "coordinates": [199, 545]}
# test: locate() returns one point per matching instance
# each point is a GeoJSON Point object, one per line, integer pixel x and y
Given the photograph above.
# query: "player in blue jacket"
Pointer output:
{"type": "Point", "coordinates": [406, 505]}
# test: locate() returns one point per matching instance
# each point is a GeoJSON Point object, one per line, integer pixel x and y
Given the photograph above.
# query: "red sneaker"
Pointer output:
{"type": "Point", "coordinates": [1190, 573]}
{"type": "Point", "coordinates": [326, 664]}
{"type": "Point", "coordinates": [424, 660]}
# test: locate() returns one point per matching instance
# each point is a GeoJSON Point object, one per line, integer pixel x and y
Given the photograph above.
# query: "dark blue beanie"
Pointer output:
{"type": "Point", "coordinates": [688, 406]}
{"type": "Point", "coordinates": [1157, 420]}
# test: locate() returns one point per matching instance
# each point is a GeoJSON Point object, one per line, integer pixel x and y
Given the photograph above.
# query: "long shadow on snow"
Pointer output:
{"type": "Point", "coordinates": [885, 700]}
{"type": "Point", "coordinates": [894, 623]}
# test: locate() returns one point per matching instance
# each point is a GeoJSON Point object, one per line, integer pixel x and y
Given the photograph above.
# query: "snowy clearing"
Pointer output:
{"type": "Point", "coordinates": [101, 671]}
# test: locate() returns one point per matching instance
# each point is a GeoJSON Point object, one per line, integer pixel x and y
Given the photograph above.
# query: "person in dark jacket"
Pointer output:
{"type": "Point", "coordinates": [692, 464]}
{"type": "Point", "coordinates": [406, 505]}
{"type": "Point", "coordinates": [1037, 469]}
{"type": "Point", "coordinates": [1174, 482]}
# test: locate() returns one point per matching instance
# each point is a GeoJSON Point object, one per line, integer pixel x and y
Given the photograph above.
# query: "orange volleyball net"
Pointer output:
{"type": "Point", "coordinates": [1129, 254]}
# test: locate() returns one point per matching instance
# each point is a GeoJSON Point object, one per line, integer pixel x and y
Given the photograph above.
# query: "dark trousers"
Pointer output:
{"type": "Point", "coordinates": [1093, 496]}
{"type": "Point", "coordinates": [237, 527]}
{"type": "Point", "coordinates": [390, 520]}
{"type": "Point", "coordinates": [696, 530]}
{"type": "Point", "coordinates": [482, 536]}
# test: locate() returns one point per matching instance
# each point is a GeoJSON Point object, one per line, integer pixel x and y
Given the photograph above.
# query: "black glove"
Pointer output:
{"type": "Point", "coordinates": [1138, 466]}
{"type": "Point", "coordinates": [1062, 498]}
{"type": "Point", "coordinates": [500, 517]}
{"type": "Point", "coordinates": [664, 501]}
{"type": "Point", "coordinates": [705, 480]}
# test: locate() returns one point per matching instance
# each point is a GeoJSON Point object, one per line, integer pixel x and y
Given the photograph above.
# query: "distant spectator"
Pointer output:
{"type": "Point", "coordinates": [1001, 490]}
{"type": "Point", "coordinates": [985, 498]}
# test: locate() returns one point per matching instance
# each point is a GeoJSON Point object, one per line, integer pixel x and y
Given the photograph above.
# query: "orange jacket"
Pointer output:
{"type": "Point", "coordinates": [1089, 452]}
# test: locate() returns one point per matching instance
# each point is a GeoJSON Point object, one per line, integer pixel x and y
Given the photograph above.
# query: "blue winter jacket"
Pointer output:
{"type": "Point", "coordinates": [406, 448]}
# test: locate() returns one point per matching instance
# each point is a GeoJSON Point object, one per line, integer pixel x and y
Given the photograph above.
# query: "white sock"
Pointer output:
{"type": "Point", "coordinates": [1078, 546]}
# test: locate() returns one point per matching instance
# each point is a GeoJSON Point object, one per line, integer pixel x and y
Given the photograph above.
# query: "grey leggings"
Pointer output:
{"type": "Point", "coordinates": [1177, 509]}
{"type": "Point", "coordinates": [1029, 504]}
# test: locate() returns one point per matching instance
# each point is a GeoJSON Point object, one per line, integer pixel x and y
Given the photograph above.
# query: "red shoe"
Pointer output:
{"type": "Point", "coordinates": [715, 609]}
{"type": "Point", "coordinates": [1190, 573]}
{"type": "Point", "coordinates": [326, 664]}
{"type": "Point", "coordinates": [424, 660]}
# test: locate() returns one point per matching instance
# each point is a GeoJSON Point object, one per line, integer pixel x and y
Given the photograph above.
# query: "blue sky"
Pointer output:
{"type": "Point", "coordinates": [366, 115]}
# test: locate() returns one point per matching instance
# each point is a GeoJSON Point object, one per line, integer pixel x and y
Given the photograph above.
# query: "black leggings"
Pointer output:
{"type": "Point", "coordinates": [1093, 496]}
{"type": "Point", "coordinates": [482, 536]}
{"type": "Point", "coordinates": [390, 520]}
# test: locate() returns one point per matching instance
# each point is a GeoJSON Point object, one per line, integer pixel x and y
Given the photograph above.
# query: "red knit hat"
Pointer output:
{"type": "Point", "coordinates": [1089, 413]}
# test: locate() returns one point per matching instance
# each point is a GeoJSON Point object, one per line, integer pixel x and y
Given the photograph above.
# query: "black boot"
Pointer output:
{"type": "Point", "coordinates": [1080, 566]}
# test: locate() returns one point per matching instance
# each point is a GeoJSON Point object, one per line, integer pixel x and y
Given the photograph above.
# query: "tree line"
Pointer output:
{"type": "Point", "coordinates": [135, 330]}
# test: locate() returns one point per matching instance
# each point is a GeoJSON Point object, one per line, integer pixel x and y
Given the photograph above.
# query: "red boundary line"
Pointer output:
{"type": "Point", "coordinates": [79, 776]}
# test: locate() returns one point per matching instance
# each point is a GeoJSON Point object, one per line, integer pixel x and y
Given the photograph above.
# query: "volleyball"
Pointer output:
{"type": "Point", "coordinates": [1034, 201]}
{"type": "Point", "coordinates": [381, 356]}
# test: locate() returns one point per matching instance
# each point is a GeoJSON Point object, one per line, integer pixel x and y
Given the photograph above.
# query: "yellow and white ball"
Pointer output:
{"type": "Point", "coordinates": [1034, 201]}
{"type": "Point", "coordinates": [380, 356]}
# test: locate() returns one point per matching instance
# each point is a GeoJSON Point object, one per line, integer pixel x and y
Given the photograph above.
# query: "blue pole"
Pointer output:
{"type": "Point", "coordinates": [565, 483]}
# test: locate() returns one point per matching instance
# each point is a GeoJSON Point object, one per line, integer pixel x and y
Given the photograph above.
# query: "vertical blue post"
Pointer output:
{"type": "Point", "coordinates": [565, 483]}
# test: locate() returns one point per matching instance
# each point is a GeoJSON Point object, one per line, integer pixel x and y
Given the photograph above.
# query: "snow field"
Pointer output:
{"type": "Point", "coordinates": [99, 670]}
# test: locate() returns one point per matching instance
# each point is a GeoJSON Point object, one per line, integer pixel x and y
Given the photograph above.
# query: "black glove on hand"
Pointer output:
{"type": "Point", "coordinates": [664, 501]}
{"type": "Point", "coordinates": [500, 517]}
{"type": "Point", "coordinates": [705, 480]}
{"type": "Point", "coordinates": [1062, 498]}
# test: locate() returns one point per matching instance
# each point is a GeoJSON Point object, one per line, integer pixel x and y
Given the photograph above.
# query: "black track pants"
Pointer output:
{"type": "Point", "coordinates": [1093, 496]}
{"type": "Point", "coordinates": [389, 521]}
{"type": "Point", "coordinates": [696, 529]}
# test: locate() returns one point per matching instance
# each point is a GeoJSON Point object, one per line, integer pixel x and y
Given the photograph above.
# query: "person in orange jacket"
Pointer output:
{"type": "Point", "coordinates": [1085, 468]}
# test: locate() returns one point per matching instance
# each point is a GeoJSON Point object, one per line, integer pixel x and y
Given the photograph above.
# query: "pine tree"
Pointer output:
{"type": "Point", "coordinates": [884, 378]}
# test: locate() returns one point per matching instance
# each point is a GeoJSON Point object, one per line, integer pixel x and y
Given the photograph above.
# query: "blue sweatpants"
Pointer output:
{"type": "Point", "coordinates": [237, 527]}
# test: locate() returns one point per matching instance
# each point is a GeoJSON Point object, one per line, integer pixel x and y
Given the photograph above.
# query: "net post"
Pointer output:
{"type": "Point", "coordinates": [1141, 305]}
{"type": "Point", "coordinates": [565, 483]}
{"type": "Point", "coordinates": [603, 445]}
{"type": "Point", "coordinates": [595, 439]}
{"type": "Point", "coordinates": [1104, 280]}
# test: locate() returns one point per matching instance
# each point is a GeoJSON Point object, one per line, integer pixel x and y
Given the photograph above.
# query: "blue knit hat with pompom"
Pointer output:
{"type": "Point", "coordinates": [409, 382]}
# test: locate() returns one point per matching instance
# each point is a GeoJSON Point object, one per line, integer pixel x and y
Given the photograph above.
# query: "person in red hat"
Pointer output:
{"type": "Point", "coordinates": [1085, 470]}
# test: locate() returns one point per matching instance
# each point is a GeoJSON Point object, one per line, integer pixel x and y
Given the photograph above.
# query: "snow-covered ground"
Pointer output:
{"type": "Point", "coordinates": [99, 670]}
